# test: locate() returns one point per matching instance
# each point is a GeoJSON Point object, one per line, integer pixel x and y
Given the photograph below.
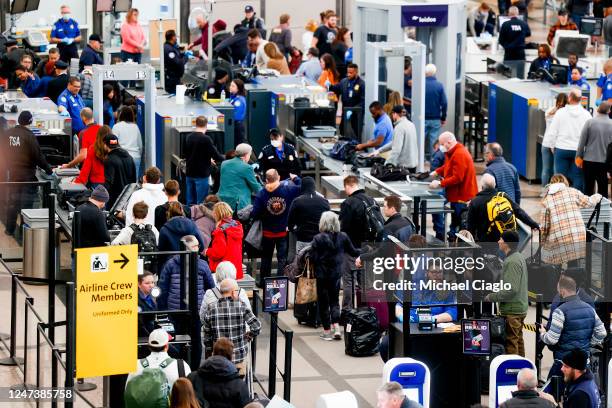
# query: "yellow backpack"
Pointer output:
{"type": "Point", "coordinates": [501, 214]}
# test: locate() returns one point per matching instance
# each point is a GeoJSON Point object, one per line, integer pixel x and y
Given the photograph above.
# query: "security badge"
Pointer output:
{"type": "Point", "coordinates": [290, 157]}
{"type": "Point", "coordinates": [172, 55]}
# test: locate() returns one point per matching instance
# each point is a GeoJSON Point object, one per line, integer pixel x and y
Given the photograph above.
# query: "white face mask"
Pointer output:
{"type": "Point", "coordinates": [276, 143]}
{"type": "Point", "coordinates": [443, 149]}
{"type": "Point", "coordinates": [66, 17]}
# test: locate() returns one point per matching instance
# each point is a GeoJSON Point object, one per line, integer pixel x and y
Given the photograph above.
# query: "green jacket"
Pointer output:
{"type": "Point", "coordinates": [238, 182]}
{"type": "Point", "coordinates": [515, 300]}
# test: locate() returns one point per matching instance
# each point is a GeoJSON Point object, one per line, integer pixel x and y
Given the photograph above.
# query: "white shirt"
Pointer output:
{"type": "Point", "coordinates": [125, 235]}
{"type": "Point", "coordinates": [155, 359]}
{"type": "Point", "coordinates": [129, 138]}
{"type": "Point", "coordinates": [261, 59]}
{"type": "Point", "coordinates": [565, 128]}
{"type": "Point", "coordinates": [306, 41]}
{"type": "Point", "coordinates": [153, 195]}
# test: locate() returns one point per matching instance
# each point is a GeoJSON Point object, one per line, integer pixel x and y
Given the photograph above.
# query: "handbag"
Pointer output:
{"type": "Point", "coordinates": [254, 237]}
{"type": "Point", "coordinates": [306, 291]}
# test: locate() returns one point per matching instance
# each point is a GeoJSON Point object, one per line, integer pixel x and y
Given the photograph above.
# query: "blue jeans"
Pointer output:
{"type": "Point", "coordinates": [138, 165]}
{"type": "Point", "coordinates": [455, 225]}
{"type": "Point", "coordinates": [547, 164]}
{"type": "Point", "coordinates": [564, 164]}
{"type": "Point", "coordinates": [432, 131]}
{"type": "Point", "coordinates": [197, 190]}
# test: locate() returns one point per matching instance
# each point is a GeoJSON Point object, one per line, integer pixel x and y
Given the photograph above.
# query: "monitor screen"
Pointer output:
{"type": "Point", "coordinates": [560, 73]}
{"type": "Point", "coordinates": [476, 335]}
{"type": "Point", "coordinates": [275, 294]}
{"type": "Point", "coordinates": [591, 26]}
{"type": "Point", "coordinates": [32, 5]}
{"type": "Point", "coordinates": [104, 6]}
{"type": "Point", "coordinates": [19, 6]}
{"type": "Point", "coordinates": [572, 45]}
{"type": "Point", "coordinates": [123, 6]}
{"type": "Point", "coordinates": [504, 393]}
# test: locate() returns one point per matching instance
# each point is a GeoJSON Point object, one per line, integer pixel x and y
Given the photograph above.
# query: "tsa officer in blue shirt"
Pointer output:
{"type": "Point", "coordinates": [238, 100]}
{"type": "Point", "coordinates": [383, 128]}
{"type": "Point", "coordinates": [578, 80]}
{"type": "Point", "coordinates": [66, 34]}
{"type": "Point", "coordinates": [70, 104]}
{"type": "Point", "coordinates": [604, 84]}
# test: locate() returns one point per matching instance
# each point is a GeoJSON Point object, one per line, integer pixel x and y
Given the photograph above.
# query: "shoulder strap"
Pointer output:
{"type": "Point", "coordinates": [217, 292]}
{"type": "Point", "coordinates": [181, 367]}
{"type": "Point", "coordinates": [166, 362]}
{"type": "Point", "coordinates": [134, 227]}
{"type": "Point", "coordinates": [144, 363]}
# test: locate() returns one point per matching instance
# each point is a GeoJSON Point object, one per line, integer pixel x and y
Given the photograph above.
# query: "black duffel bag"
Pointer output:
{"type": "Point", "coordinates": [389, 172]}
{"type": "Point", "coordinates": [360, 160]}
{"type": "Point", "coordinates": [542, 278]}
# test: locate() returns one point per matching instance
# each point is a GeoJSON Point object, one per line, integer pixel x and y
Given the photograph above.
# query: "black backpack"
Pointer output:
{"type": "Point", "coordinates": [144, 237]}
{"type": "Point", "coordinates": [375, 223]}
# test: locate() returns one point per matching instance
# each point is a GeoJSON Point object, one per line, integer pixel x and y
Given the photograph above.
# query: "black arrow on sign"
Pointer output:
{"type": "Point", "coordinates": [124, 261]}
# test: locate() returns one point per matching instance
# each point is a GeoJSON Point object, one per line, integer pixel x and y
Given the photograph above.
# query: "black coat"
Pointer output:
{"type": "Point", "coordinates": [218, 385]}
{"type": "Point", "coordinates": [20, 155]}
{"type": "Point", "coordinates": [89, 57]}
{"type": "Point", "coordinates": [478, 219]}
{"type": "Point", "coordinates": [233, 49]}
{"type": "Point", "coordinates": [200, 149]}
{"type": "Point", "coordinates": [94, 232]}
{"type": "Point", "coordinates": [119, 171]}
{"type": "Point", "coordinates": [56, 87]}
{"type": "Point", "coordinates": [353, 218]}
{"type": "Point", "coordinates": [327, 253]}
{"type": "Point", "coordinates": [306, 210]}
{"type": "Point", "coordinates": [528, 398]}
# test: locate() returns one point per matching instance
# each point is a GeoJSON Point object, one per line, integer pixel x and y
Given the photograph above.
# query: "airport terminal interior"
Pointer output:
{"type": "Point", "coordinates": [332, 203]}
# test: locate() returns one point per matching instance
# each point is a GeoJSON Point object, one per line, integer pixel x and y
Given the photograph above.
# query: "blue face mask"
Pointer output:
{"type": "Point", "coordinates": [66, 17]}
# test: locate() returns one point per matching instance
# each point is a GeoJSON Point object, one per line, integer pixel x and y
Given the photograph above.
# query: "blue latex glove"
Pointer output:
{"type": "Point", "coordinates": [255, 166]}
{"type": "Point", "coordinates": [189, 54]}
{"type": "Point", "coordinates": [597, 102]}
{"type": "Point", "coordinates": [349, 113]}
{"type": "Point", "coordinates": [64, 113]}
{"type": "Point", "coordinates": [327, 84]}
{"type": "Point", "coordinates": [67, 40]}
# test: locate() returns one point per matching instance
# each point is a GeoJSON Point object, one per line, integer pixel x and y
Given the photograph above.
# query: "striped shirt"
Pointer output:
{"type": "Point", "coordinates": [552, 336]}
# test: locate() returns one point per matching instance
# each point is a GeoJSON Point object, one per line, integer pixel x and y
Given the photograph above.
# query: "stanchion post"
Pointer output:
{"type": "Point", "coordinates": [13, 360]}
{"type": "Point", "coordinates": [287, 370]}
{"type": "Point", "coordinates": [51, 266]}
{"type": "Point", "coordinates": [193, 309]}
{"type": "Point", "coordinates": [254, 341]}
{"type": "Point", "coordinates": [70, 340]}
{"type": "Point", "coordinates": [273, 347]}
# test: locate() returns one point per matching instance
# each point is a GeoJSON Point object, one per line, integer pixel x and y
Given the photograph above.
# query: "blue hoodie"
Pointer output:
{"type": "Point", "coordinates": [272, 207]}
{"type": "Point", "coordinates": [176, 228]}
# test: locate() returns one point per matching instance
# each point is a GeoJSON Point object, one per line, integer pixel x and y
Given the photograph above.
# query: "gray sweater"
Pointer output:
{"type": "Point", "coordinates": [595, 137]}
{"type": "Point", "coordinates": [404, 146]}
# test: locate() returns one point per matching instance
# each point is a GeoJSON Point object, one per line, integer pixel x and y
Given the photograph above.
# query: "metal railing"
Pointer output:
{"type": "Point", "coordinates": [272, 364]}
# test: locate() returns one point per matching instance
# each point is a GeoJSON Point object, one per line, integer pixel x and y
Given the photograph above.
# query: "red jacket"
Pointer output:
{"type": "Point", "coordinates": [459, 175]}
{"type": "Point", "coordinates": [226, 245]}
{"type": "Point", "coordinates": [92, 170]}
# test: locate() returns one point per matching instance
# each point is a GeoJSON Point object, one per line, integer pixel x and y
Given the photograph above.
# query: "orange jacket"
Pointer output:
{"type": "Point", "coordinates": [459, 175]}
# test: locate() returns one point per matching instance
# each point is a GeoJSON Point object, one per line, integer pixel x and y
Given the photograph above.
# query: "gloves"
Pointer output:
{"type": "Point", "coordinates": [327, 84]}
{"type": "Point", "coordinates": [67, 40]}
{"type": "Point", "coordinates": [64, 113]}
{"type": "Point", "coordinates": [189, 54]}
{"type": "Point", "coordinates": [255, 166]}
{"type": "Point", "coordinates": [598, 102]}
{"type": "Point", "coordinates": [349, 114]}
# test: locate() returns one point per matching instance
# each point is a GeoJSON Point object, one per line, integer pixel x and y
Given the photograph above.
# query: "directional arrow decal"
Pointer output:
{"type": "Point", "coordinates": [124, 260]}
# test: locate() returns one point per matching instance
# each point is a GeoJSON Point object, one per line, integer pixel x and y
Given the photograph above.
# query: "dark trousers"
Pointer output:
{"type": "Point", "coordinates": [351, 127]}
{"type": "Point", "coordinates": [350, 283]}
{"type": "Point", "coordinates": [455, 225]}
{"type": "Point", "coordinates": [479, 27]}
{"type": "Point", "coordinates": [19, 197]}
{"type": "Point", "coordinates": [239, 133]}
{"type": "Point", "coordinates": [135, 57]}
{"type": "Point", "coordinates": [268, 245]}
{"type": "Point", "coordinates": [595, 172]}
{"type": "Point", "coordinates": [328, 294]}
{"type": "Point", "coordinates": [68, 51]}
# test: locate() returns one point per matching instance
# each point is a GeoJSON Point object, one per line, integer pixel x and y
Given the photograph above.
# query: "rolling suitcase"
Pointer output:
{"type": "Point", "coordinates": [307, 314]}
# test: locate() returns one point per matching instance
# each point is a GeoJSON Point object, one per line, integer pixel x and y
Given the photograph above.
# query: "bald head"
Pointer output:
{"type": "Point", "coordinates": [487, 182]}
{"type": "Point", "coordinates": [527, 379]}
{"type": "Point", "coordinates": [227, 287]}
{"type": "Point", "coordinates": [272, 176]}
{"type": "Point", "coordinates": [447, 137]}
{"type": "Point", "coordinates": [575, 96]}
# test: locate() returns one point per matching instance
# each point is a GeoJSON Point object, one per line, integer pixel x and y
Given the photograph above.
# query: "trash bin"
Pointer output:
{"type": "Point", "coordinates": [35, 242]}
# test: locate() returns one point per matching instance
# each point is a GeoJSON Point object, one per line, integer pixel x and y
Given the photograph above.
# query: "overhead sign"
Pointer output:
{"type": "Point", "coordinates": [106, 310]}
{"type": "Point", "coordinates": [425, 16]}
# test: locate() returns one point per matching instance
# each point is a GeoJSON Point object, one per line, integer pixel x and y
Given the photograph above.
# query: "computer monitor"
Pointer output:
{"type": "Point", "coordinates": [122, 6]}
{"type": "Point", "coordinates": [570, 42]}
{"type": "Point", "coordinates": [476, 334]}
{"type": "Point", "coordinates": [32, 5]}
{"type": "Point", "coordinates": [104, 6]}
{"type": "Point", "coordinates": [560, 73]}
{"type": "Point", "coordinates": [276, 290]}
{"type": "Point", "coordinates": [591, 26]}
{"type": "Point", "coordinates": [19, 6]}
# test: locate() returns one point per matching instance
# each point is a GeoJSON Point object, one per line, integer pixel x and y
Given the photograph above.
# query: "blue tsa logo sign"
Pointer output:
{"type": "Point", "coordinates": [99, 263]}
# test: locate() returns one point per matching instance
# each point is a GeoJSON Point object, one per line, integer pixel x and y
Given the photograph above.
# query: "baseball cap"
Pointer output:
{"type": "Point", "coordinates": [158, 338]}
{"type": "Point", "coordinates": [25, 118]}
{"type": "Point", "coordinates": [95, 37]}
{"type": "Point", "coordinates": [61, 64]}
{"type": "Point", "coordinates": [111, 140]}
{"type": "Point", "coordinates": [249, 9]}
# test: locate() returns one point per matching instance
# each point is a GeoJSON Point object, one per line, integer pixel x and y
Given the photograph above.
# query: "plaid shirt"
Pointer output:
{"type": "Point", "coordinates": [227, 318]}
{"type": "Point", "coordinates": [562, 228]}
{"type": "Point", "coordinates": [86, 86]}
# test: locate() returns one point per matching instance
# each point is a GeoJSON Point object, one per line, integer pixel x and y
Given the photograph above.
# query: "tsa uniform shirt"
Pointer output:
{"type": "Point", "coordinates": [605, 83]}
{"type": "Point", "coordinates": [239, 103]}
{"type": "Point", "coordinates": [383, 127]}
{"type": "Point", "coordinates": [74, 105]}
{"type": "Point", "coordinates": [65, 29]}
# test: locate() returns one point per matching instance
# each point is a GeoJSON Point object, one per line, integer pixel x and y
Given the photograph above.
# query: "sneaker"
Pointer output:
{"type": "Point", "coordinates": [337, 333]}
{"type": "Point", "coordinates": [325, 336]}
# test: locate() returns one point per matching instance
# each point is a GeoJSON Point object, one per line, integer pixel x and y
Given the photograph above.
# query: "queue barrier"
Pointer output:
{"type": "Point", "coordinates": [272, 363]}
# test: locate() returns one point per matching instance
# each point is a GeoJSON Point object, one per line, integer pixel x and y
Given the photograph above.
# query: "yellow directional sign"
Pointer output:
{"type": "Point", "coordinates": [106, 310]}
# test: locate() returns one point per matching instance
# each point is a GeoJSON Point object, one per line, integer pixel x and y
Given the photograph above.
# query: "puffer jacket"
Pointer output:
{"type": "Point", "coordinates": [226, 245]}
{"type": "Point", "coordinates": [218, 385]}
{"type": "Point", "coordinates": [170, 283]}
{"type": "Point", "coordinates": [171, 233]}
{"type": "Point", "coordinates": [204, 220]}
